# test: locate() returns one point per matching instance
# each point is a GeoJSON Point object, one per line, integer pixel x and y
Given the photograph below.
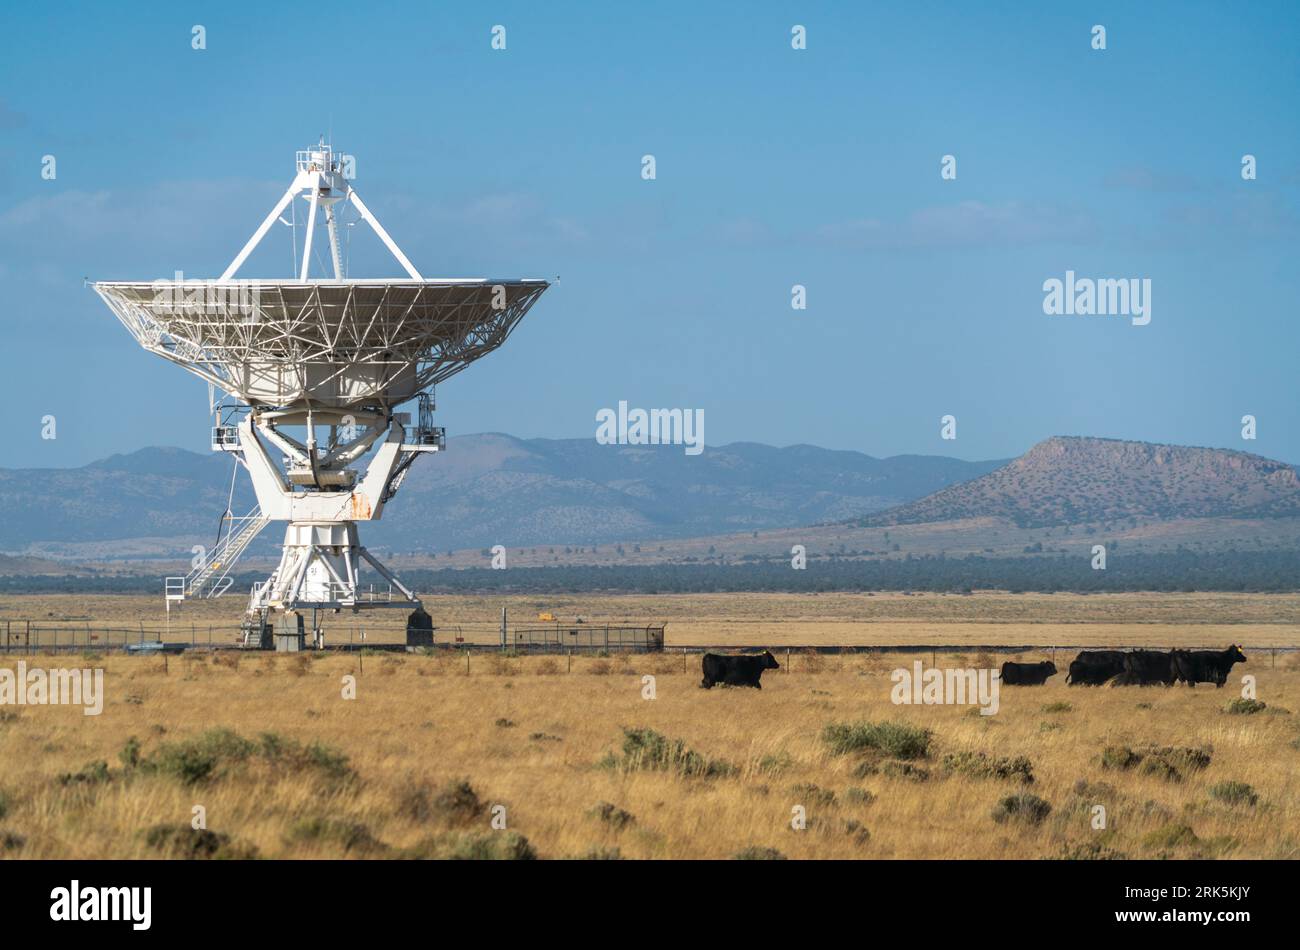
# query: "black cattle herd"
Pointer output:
{"type": "Point", "coordinates": [1133, 668]}
{"type": "Point", "coordinates": [1089, 668]}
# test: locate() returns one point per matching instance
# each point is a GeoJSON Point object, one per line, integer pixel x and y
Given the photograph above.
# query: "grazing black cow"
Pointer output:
{"type": "Point", "coordinates": [737, 670]}
{"type": "Point", "coordinates": [1027, 674]}
{"type": "Point", "coordinates": [1206, 666]}
{"type": "Point", "coordinates": [1094, 667]}
{"type": "Point", "coordinates": [1147, 668]}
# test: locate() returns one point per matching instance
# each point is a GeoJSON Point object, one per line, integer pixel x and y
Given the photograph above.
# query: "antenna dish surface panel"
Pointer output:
{"type": "Point", "coordinates": [335, 344]}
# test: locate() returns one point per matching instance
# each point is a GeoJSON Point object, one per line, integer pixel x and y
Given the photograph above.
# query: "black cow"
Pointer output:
{"type": "Point", "coordinates": [1206, 666]}
{"type": "Point", "coordinates": [737, 670]}
{"type": "Point", "coordinates": [1027, 674]}
{"type": "Point", "coordinates": [1094, 667]}
{"type": "Point", "coordinates": [1147, 667]}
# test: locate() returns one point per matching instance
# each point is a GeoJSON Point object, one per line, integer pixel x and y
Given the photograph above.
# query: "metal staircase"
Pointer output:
{"type": "Point", "coordinates": [212, 575]}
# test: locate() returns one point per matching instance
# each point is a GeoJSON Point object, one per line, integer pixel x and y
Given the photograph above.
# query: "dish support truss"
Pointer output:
{"type": "Point", "coordinates": [325, 178]}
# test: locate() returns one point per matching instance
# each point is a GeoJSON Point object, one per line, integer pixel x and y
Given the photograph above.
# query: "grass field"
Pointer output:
{"type": "Point", "coordinates": [415, 764]}
{"type": "Point", "coordinates": [528, 734]}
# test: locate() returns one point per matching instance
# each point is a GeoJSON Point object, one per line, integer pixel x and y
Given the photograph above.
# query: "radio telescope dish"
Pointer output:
{"type": "Point", "coordinates": [312, 353]}
{"type": "Point", "coordinates": [323, 343]}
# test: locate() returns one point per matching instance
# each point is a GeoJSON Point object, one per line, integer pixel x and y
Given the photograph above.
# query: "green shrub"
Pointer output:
{"type": "Point", "coordinates": [600, 854]}
{"type": "Point", "coordinates": [353, 837]}
{"type": "Point", "coordinates": [857, 831]}
{"type": "Point", "coordinates": [894, 739]}
{"type": "Point", "coordinates": [182, 841]}
{"type": "Point", "coordinates": [612, 815]}
{"type": "Point", "coordinates": [488, 846]}
{"type": "Point", "coordinates": [1097, 791]}
{"type": "Point", "coordinates": [1161, 768]}
{"type": "Point", "coordinates": [982, 765]}
{"type": "Point", "coordinates": [95, 773]}
{"type": "Point", "coordinates": [1119, 757]}
{"type": "Point", "coordinates": [196, 760]}
{"type": "Point", "coordinates": [904, 770]}
{"type": "Point", "coordinates": [1057, 707]}
{"type": "Point", "coordinates": [1244, 707]}
{"type": "Point", "coordinates": [1167, 762]}
{"type": "Point", "coordinates": [1090, 851]}
{"type": "Point", "coordinates": [858, 796]}
{"type": "Point", "coordinates": [212, 755]}
{"type": "Point", "coordinates": [1022, 807]}
{"type": "Point", "coordinates": [1171, 835]}
{"type": "Point", "coordinates": [774, 764]}
{"type": "Point", "coordinates": [457, 801]}
{"type": "Point", "coordinates": [324, 759]}
{"type": "Point", "coordinates": [129, 756]}
{"type": "Point", "coordinates": [755, 853]}
{"type": "Point", "coordinates": [808, 793]}
{"type": "Point", "coordinates": [647, 749]}
{"type": "Point", "coordinates": [1234, 793]}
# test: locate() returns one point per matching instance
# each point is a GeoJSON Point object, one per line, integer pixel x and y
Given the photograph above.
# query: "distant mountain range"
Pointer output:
{"type": "Point", "coordinates": [484, 490]}
{"type": "Point", "coordinates": [1072, 480]}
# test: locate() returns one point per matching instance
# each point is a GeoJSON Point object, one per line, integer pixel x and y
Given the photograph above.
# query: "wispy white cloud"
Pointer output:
{"type": "Point", "coordinates": [1146, 178]}
{"type": "Point", "coordinates": [964, 224]}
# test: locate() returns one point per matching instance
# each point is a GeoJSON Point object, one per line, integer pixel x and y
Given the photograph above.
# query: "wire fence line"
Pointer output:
{"type": "Point", "coordinates": [45, 636]}
{"type": "Point", "coordinates": [35, 636]}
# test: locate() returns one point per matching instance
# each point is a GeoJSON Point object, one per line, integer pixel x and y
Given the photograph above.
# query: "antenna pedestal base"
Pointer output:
{"type": "Point", "coordinates": [319, 571]}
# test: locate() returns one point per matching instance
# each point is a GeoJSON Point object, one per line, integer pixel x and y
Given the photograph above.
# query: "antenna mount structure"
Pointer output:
{"type": "Point", "coordinates": [316, 368]}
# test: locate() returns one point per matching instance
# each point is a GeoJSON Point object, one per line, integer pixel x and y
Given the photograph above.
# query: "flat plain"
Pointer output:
{"type": "Point", "coordinates": [448, 754]}
{"type": "Point", "coordinates": [733, 619]}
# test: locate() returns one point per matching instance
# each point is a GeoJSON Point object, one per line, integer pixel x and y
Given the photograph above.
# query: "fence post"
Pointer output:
{"type": "Point", "coordinates": [787, 659]}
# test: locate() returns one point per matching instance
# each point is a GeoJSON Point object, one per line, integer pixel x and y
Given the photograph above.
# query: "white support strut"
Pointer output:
{"type": "Point", "coordinates": [371, 220]}
{"type": "Point", "coordinates": [311, 226]}
{"type": "Point", "coordinates": [261, 231]}
{"type": "Point", "coordinates": [321, 175]}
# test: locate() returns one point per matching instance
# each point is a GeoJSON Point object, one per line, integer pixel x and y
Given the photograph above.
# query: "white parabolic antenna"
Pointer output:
{"type": "Point", "coordinates": [316, 368]}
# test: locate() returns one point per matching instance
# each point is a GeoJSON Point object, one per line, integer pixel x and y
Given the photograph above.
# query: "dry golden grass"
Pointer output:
{"type": "Point", "coordinates": [528, 734]}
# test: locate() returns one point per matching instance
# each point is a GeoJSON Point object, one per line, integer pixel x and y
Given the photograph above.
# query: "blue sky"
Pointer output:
{"type": "Point", "coordinates": [775, 167]}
